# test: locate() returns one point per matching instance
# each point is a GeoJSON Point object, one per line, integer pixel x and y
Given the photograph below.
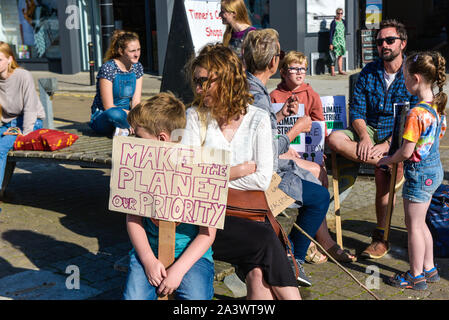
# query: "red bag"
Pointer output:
{"type": "Point", "coordinates": [45, 140]}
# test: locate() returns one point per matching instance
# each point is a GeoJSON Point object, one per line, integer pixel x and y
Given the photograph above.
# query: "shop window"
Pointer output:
{"type": "Point", "coordinates": [38, 34]}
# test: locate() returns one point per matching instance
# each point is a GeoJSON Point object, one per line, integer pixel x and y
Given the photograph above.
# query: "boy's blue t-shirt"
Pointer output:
{"type": "Point", "coordinates": [185, 233]}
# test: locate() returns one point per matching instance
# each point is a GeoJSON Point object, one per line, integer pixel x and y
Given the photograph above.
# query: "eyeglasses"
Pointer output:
{"type": "Point", "coordinates": [339, 12]}
{"type": "Point", "coordinates": [200, 81]}
{"type": "Point", "coordinates": [281, 54]}
{"type": "Point", "coordinates": [388, 40]}
{"type": "Point", "coordinates": [296, 70]}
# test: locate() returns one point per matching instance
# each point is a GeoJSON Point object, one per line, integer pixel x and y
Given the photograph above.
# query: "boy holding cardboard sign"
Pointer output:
{"type": "Point", "coordinates": [192, 273]}
{"type": "Point", "coordinates": [293, 69]}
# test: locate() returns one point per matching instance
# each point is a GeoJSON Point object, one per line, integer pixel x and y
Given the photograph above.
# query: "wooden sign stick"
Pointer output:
{"type": "Point", "coordinates": [166, 250]}
{"type": "Point", "coordinates": [336, 200]}
{"type": "Point", "coordinates": [390, 206]}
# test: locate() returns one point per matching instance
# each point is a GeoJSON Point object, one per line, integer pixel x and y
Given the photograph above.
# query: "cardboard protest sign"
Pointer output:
{"type": "Point", "coordinates": [168, 181]}
{"type": "Point", "coordinates": [277, 199]}
{"type": "Point", "coordinates": [310, 145]}
{"type": "Point", "coordinates": [334, 110]}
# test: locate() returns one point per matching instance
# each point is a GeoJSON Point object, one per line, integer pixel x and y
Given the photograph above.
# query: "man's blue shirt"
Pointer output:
{"type": "Point", "coordinates": [373, 103]}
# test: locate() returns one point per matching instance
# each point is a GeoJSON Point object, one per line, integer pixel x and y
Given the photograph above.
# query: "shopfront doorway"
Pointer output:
{"type": "Point", "coordinates": [139, 16]}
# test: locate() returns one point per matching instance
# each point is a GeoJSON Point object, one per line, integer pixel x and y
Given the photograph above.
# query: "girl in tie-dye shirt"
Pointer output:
{"type": "Point", "coordinates": [423, 171]}
{"type": "Point", "coordinates": [421, 127]}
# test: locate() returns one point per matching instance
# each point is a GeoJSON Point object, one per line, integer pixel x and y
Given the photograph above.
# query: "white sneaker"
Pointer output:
{"type": "Point", "coordinates": [121, 132]}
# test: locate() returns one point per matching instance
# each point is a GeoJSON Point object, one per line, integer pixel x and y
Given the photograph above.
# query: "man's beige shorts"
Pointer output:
{"type": "Point", "coordinates": [372, 132]}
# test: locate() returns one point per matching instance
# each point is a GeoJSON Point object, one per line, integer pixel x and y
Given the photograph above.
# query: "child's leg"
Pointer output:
{"type": "Point", "coordinates": [137, 285]}
{"type": "Point", "coordinates": [198, 282]}
{"type": "Point", "coordinates": [420, 243]}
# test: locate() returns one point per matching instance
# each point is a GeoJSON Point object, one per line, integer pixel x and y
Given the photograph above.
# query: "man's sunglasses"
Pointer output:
{"type": "Point", "coordinates": [388, 40]}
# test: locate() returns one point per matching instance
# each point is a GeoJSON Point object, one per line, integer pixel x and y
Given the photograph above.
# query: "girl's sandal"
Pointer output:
{"type": "Point", "coordinates": [314, 256]}
{"type": "Point", "coordinates": [341, 255]}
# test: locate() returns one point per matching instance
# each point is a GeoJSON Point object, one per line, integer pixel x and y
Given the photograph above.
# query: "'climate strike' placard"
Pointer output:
{"type": "Point", "coordinates": [334, 110]}
{"type": "Point", "coordinates": [310, 145]}
{"type": "Point", "coordinates": [204, 22]}
{"type": "Point", "coordinates": [169, 181]}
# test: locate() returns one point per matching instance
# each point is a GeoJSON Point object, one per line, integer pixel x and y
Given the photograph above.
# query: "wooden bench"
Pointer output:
{"type": "Point", "coordinates": [90, 150]}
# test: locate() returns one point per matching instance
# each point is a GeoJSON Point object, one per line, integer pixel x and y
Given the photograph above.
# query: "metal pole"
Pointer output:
{"type": "Point", "coordinates": [91, 63]}
{"type": "Point", "coordinates": [107, 23]}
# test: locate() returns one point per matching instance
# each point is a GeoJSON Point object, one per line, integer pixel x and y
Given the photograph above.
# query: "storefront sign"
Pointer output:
{"type": "Point", "coordinates": [204, 22]}
{"type": "Point", "coordinates": [373, 13]}
{"type": "Point", "coordinates": [320, 14]}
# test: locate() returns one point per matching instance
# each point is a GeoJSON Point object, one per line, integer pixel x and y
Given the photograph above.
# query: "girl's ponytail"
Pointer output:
{"type": "Point", "coordinates": [440, 98]}
{"type": "Point", "coordinates": [432, 66]}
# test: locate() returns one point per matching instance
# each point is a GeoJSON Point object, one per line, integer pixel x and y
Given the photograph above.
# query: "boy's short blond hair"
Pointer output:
{"type": "Point", "coordinates": [160, 113]}
{"type": "Point", "coordinates": [293, 57]}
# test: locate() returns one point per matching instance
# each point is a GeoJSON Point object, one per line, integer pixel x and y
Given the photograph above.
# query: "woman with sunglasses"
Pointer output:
{"type": "Point", "coordinates": [337, 41]}
{"type": "Point", "coordinates": [235, 16]}
{"type": "Point", "coordinates": [222, 111]}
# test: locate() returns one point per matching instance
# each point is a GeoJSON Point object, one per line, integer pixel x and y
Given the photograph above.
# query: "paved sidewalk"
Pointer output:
{"type": "Point", "coordinates": [57, 224]}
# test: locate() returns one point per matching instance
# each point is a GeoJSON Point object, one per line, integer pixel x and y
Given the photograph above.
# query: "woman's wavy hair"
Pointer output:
{"type": "Point", "coordinates": [241, 15]}
{"type": "Point", "coordinates": [231, 96]}
{"type": "Point", "coordinates": [432, 66]}
{"type": "Point", "coordinates": [7, 51]}
{"type": "Point", "coordinates": [119, 41]}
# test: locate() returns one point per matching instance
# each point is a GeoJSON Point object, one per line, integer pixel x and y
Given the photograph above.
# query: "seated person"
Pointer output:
{"type": "Point", "coordinates": [191, 276]}
{"type": "Point", "coordinates": [223, 112]}
{"type": "Point", "coordinates": [119, 85]}
{"type": "Point", "coordinates": [21, 110]}
{"type": "Point", "coordinates": [261, 53]}
{"type": "Point", "coordinates": [293, 69]}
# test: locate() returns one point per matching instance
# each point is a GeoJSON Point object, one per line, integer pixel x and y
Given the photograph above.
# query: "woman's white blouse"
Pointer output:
{"type": "Point", "coordinates": [251, 142]}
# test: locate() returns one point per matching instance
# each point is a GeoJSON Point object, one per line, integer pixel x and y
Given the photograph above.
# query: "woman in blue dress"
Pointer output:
{"type": "Point", "coordinates": [119, 85]}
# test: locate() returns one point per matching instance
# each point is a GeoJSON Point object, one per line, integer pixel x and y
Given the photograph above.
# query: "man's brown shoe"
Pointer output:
{"type": "Point", "coordinates": [378, 247]}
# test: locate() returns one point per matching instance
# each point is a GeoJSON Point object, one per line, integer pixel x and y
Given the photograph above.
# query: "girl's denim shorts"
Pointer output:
{"type": "Point", "coordinates": [421, 181]}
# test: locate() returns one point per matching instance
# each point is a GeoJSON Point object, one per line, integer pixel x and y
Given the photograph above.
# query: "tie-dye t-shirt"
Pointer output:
{"type": "Point", "coordinates": [420, 127]}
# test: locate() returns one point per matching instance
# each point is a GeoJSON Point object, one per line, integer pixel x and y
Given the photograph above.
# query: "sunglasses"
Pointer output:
{"type": "Point", "coordinates": [200, 81]}
{"type": "Point", "coordinates": [339, 12]}
{"type": "Point", "coordinates": [388, 40]}
{"type": "Point", "coordinates": [296, 70]}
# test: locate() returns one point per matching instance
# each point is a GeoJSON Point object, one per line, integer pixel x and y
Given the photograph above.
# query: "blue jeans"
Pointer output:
{"type": "Point", "coordinates": [7, 141]}
{"type": "Point", "coordinates": [422, 181]}
{"type": "Point", "coordinates": [197, 283]}
{"type": "Point", "coordinates": [311, 215]}
{"type": "Point", "coordinates": [105, 121]}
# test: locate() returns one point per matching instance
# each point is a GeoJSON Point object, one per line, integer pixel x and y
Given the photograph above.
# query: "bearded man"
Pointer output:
{"type": "Point", "coordinates": [379, 86]}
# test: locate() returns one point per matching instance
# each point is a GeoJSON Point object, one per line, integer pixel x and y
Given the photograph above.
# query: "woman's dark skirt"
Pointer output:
{"type": "Point", "coordinates": [249, 244]}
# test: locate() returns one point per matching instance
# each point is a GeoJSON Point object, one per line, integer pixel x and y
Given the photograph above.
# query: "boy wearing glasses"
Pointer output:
{"type": "Point", "coordinates": [379, 86]}
{"type": "Point", "coordinates": [293, 69]}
